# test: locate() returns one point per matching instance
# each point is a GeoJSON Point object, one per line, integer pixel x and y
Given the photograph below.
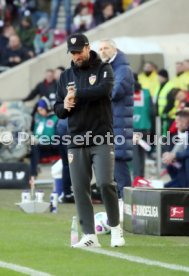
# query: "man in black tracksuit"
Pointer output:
{"type": "Point", "coordinates": [84, 96]}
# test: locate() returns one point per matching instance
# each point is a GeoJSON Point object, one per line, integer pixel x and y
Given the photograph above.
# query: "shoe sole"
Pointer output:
{"type": "Point", "coordinates": [118, 244]}
{"type": "Point", "coordinates": [93, 246]}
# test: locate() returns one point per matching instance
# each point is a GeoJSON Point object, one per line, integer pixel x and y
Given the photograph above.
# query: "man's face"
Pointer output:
{"type": "Point", "coordinates": [162, 79]}
{"type": "Point", "coordinates": [14, 42]}
{"type": "Point", "coordinates": [82, 57]}
{"type": "Point", "coordinates": [181, 96]}
{"type": "Point", "coordinates": [179, 67]}
{"type": "Point", "coordinates": [42, 111]}
{"type": "Point", "coordinates": [108, 11]}
{"type": "Point", "coordinates": [57, 74]}
{"type": "Point", "coordinates": [186, 65]}
{"type": "Point", "coordinates": [106, 51]}
{"type": "Point", "coordinates": [49, 76]}
{"type": "Point", "coordinates": [148, 68]}
{"type": "Point", "coordinates": [182, 123]}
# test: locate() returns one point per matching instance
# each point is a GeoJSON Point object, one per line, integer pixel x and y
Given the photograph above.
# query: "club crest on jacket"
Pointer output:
{"type": "Point", "coordinates": [92, 79]}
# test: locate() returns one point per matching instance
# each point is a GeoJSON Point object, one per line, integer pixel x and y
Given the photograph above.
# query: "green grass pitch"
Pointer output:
{"type": "Point", "coordinates": [42, 242]}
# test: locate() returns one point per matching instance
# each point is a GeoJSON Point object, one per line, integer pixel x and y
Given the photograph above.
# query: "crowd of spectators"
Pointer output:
{"type": "Point", "coordinates": [169, 96]}
{"type": "Point", "coordinates": [29, 27]}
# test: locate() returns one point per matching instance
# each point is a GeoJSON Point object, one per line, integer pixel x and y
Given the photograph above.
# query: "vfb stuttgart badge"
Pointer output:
{"type": "Point", "coordinates": [73, 40]}
{"type": "Point", "coordinates": [92, 79]}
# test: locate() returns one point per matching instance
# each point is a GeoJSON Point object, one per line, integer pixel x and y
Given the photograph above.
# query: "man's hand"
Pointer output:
{"type": "Point", "coordinates": [168, 158]}
{"type": "Point", "coordinates": [71, 89]}
{"type": "Point", "coordinates": [69, 101]}
{"type": "Point", "coordinates": [15, 59]}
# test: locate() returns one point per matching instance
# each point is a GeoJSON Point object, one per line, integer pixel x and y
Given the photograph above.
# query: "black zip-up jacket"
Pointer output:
{"type": "Point", "coordinates": [92, 111]}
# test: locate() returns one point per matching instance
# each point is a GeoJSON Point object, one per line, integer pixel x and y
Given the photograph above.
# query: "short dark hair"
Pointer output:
{"type": "Point", "coordinates": [61, 68]}
{"type": "Point", "coordinates": [183, 112]}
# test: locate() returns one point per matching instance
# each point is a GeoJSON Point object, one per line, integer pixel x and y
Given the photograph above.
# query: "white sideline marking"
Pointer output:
{"type": "Point", "coordinates": [23, 269]}
{"type": "Point", "coordinates": [136, 259]}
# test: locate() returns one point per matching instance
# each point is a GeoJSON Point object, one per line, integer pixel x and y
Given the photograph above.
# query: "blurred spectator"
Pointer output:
{"type": "Point", "coordinates": [55, 7]}
{"type": "Point", "coordinates": [59, 37]}
{"type": "Point", "coordinates": [8, 11]}
{"type": "Point", "coordinates": [149, 77]}
{"type": "Point", "coordinates": [15, 53]}
{"type": "Point", "coordinates": [170, 109]}
{"type": "Point", "coordinates": [26, 7]}
{"type": "Point", "coordinates": [44, 5]}
{"type": "Point", "coordinates": [61, 130]}
{"type": "Point", "coordinates": [45, 88]}
{"type": "Point", "coordinates": [122, 109]}
{"type": "Point", "coordinates": [142, 123]}
{"type": "Point", "coordinates": [83, 16]}
{"type": "Point", "coordinates": [160, 97]}
{"type": "Point", "coordinates": [26, 32]}
{"type": "Point", "coordinates": [44, 125]}
{"type": "Point", "coordinates": [84, 3]}
{"type": "Point", "coordinates": [31, 8]}
{"type": "Point", "coordinates": [106, 9]}
{"type": "Point", "coordinates": [180, 124]}
{"type": "Point", "coordinates": [179, 71]}
{"type": "Point", "coordinates": [182, 96]}
{"type": "Point", "coordinates": [181, 101]}
{"type": "Point", "coordinates": [57, 72]}
{"type": "Point", "coordinates": [108, 12]}
{"type": "Point", "coordinates": [184, 78]}
{"type": "Point", "coordinates": [43, 10]}
{"type": "Point", "coordinates": [5, 32]}
{"type": "Point", "coordinates": [8, 30]}
{"type": "Point", "coordinates": [43, 40]}
{"type": "Point", "coordinates": [163, 80]}
{"type": "Point", "coordinates": [3, 40]}
{"type": "Point", "coordinates": [177, 160]}
{"type": "Point", "coordinates": [2, 9]}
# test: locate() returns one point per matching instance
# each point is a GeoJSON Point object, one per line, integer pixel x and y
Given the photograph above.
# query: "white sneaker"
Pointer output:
{"type": "Point", "coordinates": [89, 240]}
{"type": "Point", "coordinates": [117, 238]}
{"type": "Point", "coordinates": [120, 202]}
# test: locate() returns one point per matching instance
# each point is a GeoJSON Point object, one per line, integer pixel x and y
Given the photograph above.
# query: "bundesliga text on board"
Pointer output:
{"type": "Point", "coordinates": [141, 210]}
